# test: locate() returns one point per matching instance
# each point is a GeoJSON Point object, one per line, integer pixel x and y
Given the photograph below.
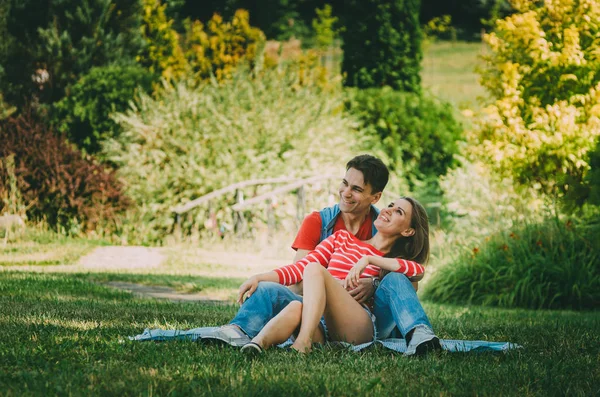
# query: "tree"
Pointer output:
{"type": "Point", "coordinates": [382, 44]}
{"type": "Point", "coordinates": [544, 74]}
{"type": "Point", "coordinates": [51, 44]}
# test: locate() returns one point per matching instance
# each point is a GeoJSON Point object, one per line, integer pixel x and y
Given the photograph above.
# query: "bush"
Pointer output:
{"type": "Point", "coordinates": [477, 202]}
{"type": "Point", "coordinates": [417, 133]}
{"type": "Point", "coordinates": [84, 114]}
{"type": "Point", "coordinates": [55, 182]}
{"type": "Point", "coordinates": [551, 265]}
{"type": "Point", "coordinates": [163, 55]}
{"type": "Point", "coordinates": [191, 141]}
{"type": "Point", "coordinates": [219, 47]}
{"type": "Point", "coordinates": [382, 44]}
{"type": "Point", "coordinates": [543, 71]}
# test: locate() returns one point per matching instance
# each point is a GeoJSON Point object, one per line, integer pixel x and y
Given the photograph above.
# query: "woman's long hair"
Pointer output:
{"type": "Point", "coordinates": [415, 247]}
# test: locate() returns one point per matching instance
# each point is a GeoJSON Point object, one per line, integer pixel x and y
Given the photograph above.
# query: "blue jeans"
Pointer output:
{"type": "Point", "coordinates": [396, 307]}
{"type": "Point", "coordinates": [264, 304]}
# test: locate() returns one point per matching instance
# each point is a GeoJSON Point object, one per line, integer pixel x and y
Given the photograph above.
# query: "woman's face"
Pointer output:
{"type": "Point", "coordinates": [395, 219]}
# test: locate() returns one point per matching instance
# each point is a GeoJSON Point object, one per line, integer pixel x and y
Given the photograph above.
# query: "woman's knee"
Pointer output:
{"type": "Point", "coordinates": [312, 269]}
{"type": "Point", "coordinates": [295, 310]}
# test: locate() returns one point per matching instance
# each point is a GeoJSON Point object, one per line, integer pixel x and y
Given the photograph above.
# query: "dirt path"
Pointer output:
{"type": "Point", "coordinates": [134, 259]}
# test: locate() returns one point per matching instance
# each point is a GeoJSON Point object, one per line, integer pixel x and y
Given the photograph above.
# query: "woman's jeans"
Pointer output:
{"type": "Point", "coordinates": [397, 308]}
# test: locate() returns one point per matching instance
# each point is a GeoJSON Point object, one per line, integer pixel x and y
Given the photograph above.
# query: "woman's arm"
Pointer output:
{"type": "Point", "coordinates": [409, 268]}
{"type": "Point", "coordinates": [251, 284]}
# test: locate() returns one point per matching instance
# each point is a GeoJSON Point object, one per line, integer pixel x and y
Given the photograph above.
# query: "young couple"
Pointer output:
{"type": "Point", "coordinates": [353, 266]}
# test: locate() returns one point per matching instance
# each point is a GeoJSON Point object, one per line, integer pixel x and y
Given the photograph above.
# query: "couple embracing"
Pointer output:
{"type": "Point", "coordinates": [353, 279]}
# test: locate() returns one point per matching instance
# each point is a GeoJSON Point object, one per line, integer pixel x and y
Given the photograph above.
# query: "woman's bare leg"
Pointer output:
{"type": "Point", "coordinates": [346, 319]}
{"type": "Point", "coordinates": [280, 327]}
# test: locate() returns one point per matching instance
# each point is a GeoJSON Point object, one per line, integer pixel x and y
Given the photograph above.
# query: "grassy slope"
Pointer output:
{"type": "Point", "coordinates": [449, 72]}
{"type": "Point", "coordinates": [65, 335]}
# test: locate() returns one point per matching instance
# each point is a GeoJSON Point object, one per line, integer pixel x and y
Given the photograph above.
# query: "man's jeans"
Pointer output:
{"type": "Point", "coordinates": [397, 308]}
{"type": "Point", "coordinates": [396, 304]}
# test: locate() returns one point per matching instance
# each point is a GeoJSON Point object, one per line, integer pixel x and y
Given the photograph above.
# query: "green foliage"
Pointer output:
{"type": "Point", "coordinates": [84, 114]}
{"type": "Point", "coordinates": [382, 44]}
{"type": "Point", "coordinates": [586, 191]}
{"type": "Point", "coordinates": [477, 202]}
{"type": "Point", "coordinates": [417, 133]}
{"type": "Point", "coordinates": [191, 141]}
{"type": "Point", "coordinates": [543, 72]}
{"type": "Point", "coordinates": [551, 264]}
{"type": "Point", "coordinates": [5, 109]}
{"type": "Point", "coordinates": [163, 54]}
{"type": "Point", "coordinates": [324, 26]}
{"type": "Point", "coordinates": [221, 46]}
{"type": "Point", "coordinates": [440, 28]}
{"type": "Point", "coordinates": [469, 17]}
{"type": "Point", "coordinates": [57, 42]}
{"type": "Point", "coordinates": [56, 184]}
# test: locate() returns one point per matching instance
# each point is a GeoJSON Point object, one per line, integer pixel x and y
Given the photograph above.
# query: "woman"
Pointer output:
{"type": "Point", "coordinates": [336, 264]}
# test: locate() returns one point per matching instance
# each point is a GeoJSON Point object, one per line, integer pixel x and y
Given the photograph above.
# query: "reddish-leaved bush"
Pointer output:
{"type": "Point", "coordinates": [55, 181]}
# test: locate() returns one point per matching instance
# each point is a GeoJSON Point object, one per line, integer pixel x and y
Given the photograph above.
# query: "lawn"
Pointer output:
{"type": "Point", "coordinates": [66, 334]}
{"type": "Point", "coordinates": [448, 71]}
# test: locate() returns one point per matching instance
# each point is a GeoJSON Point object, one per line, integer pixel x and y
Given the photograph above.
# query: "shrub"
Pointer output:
{"type": "Point", "coordinates": [163, 54]}
{"type": "Point", "coordinates": [382, 44]}
{"type": "Point", "coordinates": [586, 191]}
{"type": "Point", "coordinates": [477, 202]}
{"type": "Point", "coordinates": [219, 47]}
{"type": "Point", "coordinates": [84, 114]}
{"type": "Point", "coordinates": [551, 264]}
{"type": "Point", "coordinates": [55, 182]}
{"type": "Point", "coordinates": [417, 133]}
{"type": "Point", "coordinates": [544, 73]}
{"type": "Point", "coordinates": [191, 141]}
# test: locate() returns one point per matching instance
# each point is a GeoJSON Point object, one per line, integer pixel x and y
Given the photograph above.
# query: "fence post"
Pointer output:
{"type": "Point", "coordinates": [240, 222]}
{"type": "Point", "coordinates": [270, 217]}
{"type": "Point", "coordinates": [301, 204]}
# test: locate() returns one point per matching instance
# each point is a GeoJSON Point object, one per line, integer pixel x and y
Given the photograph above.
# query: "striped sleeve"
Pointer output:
{"type": "Point", "coordinates": [409, 268]}
{"type": "Point", "coordinates": [292, 274]}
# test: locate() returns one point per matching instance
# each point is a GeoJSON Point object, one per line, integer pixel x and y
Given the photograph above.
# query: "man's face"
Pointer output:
{"type": "Point", "coordinates": [355, 195]}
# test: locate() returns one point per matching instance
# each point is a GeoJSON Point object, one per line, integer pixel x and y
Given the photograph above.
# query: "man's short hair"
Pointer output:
{"type": "Point", "coordinates": [375, 173]}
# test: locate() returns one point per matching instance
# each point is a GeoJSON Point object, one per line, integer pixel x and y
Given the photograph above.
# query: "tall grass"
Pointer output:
{"type": "Point", "coordinates": [193, 140]}
{"type": "Point", "coordinates": [551, 264]}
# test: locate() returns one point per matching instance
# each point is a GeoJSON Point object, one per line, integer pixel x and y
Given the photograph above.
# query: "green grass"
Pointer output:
{"type": "Point", "coordinates": [44, 248]}
{"type": "Point", "coordinates": [66, 335]}
{"type": "Point", "coordinates": [449, 72]}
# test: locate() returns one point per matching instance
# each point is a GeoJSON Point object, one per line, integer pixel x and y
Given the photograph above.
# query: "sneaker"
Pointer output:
{"type": "Point", "coordinates": [423, 341]}
{"type": "Point", "coordinates": [229, 334]}
{"type": "Point", "coordinates": [252, 349]}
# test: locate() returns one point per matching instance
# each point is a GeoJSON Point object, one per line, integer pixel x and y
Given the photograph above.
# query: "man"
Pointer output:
{"type": "Point", "coordinates": [397, 307]}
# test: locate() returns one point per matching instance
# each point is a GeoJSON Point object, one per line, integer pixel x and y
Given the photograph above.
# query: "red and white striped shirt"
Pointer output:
{"type": "Point", "coordinates": [338, 253]}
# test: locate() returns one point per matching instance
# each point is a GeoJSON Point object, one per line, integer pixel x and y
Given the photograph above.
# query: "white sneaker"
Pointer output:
{"type": "Point", "coordinates": [230, 334]}
{"type": "Point", "coordinates": [422, 342]}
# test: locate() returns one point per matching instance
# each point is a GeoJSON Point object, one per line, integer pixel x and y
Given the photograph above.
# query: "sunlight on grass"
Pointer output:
{"type": "Point", "coordinates": [449, 72]}
{"type": "Point", "coordinates": [74, 341]}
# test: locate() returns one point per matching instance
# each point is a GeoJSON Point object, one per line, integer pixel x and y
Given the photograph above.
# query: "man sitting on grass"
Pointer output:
{"type": "Point", "coordinates": [396, 306]}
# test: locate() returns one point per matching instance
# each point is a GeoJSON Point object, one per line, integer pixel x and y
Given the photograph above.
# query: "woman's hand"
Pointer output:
{"type": "Point", "coordinates": [248, 286]}
{"type": "Point", "coordinates": [354, 274]}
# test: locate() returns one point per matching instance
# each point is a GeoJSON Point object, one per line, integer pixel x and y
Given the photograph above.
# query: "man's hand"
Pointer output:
{"type": "Point", "coordinates": [364, 291]}
{"type": "Point", "coordinates": [353, 276]}
{"type": "Point", "coordinates": [248, 286]}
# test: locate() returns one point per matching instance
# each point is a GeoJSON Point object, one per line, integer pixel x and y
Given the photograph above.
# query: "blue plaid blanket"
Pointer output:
{"type": "Point", "coordinates": [398, 345]}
